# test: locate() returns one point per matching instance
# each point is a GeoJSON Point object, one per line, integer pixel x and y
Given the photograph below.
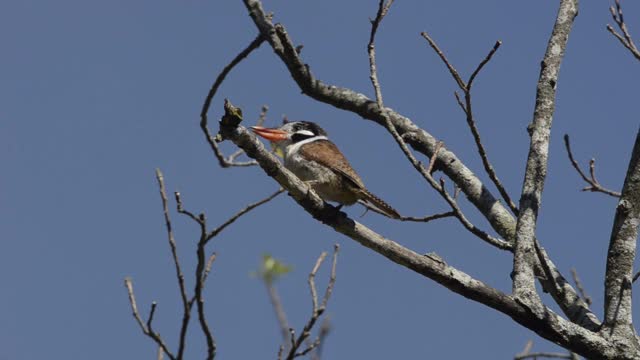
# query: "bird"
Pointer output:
{"type": "Point", "coordinates": [312, 157]}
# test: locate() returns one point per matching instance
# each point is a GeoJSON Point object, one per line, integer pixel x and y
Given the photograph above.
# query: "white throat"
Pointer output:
{"type": "Point", "coordinates": [293, 148]}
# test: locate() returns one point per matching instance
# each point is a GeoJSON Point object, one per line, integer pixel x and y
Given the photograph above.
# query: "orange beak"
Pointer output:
{"type": "Point", "coordinates": [273, 135]}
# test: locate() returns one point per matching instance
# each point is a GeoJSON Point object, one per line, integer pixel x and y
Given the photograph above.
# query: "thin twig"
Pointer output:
{"type": "Point", "coordinates": [203, 266]}
{"type": "Point", "coordinates": [317, 310]}
{"type": "Point", "coordinates": [444, 59]}
{"type": "Point", "coordinates": [207, 268]}
{"type": "Point", "coordinates": [594, 185]}
{"type": "Point", "coordinates": [281, 315]}
{"type": "Point", "coordinates": [580, 288]}
{"type": "Point", "coordinates": [428, 218]}
{"type": "Point", "coordinates": [332, 278]}
{"type": "Point", "coordinates": [237, 215]}
{"type": "Point", "coordinates": [201, 275]}
{"type": "Point", "coordinates": [625, 39]}
{"type": "Point", "coordinates": [484, 62]}
{"type": "Point", "coordinates": [426, 173]}
{"type": "Point", "coordinates": [471, 122]}
{"type": "Point", "coordinates": [280, 352]}
{"type": "Point", "coordinates": [434, 157]}
{"type": "Point", "coordinates": [312, 282]}
{"type": "Point", "coordinates": [224, 162]}
{"type": "Point", "coordinates": [172, 241]}
{"type": "Point", "coordinates": [128, 283]}
{"type": "Point", "coordinates": [186, 306]}
{"type": "Point", "coordinates": [383, 9]}
{"type": "Point", "coordinates": [423, 219]}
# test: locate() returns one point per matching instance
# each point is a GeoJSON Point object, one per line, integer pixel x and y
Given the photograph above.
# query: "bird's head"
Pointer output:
{"type": "Point", "coordinates": [289, 134]}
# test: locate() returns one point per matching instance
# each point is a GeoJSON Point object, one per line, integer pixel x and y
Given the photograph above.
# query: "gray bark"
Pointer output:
{"type": "Point", "coordinates": [524, 287]}
{"type": "Point", "coordinates": [622, 252]}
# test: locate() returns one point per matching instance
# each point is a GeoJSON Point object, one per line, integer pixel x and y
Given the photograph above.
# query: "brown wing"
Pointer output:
{"type": "Point", "coordinates": [326, 153]}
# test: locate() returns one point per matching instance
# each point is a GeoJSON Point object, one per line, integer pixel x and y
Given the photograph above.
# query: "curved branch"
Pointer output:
{"type": "Point", "coordinates": [225, 161]}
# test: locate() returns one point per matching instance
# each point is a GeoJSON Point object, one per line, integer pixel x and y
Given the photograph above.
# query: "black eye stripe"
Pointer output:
{"type": "Point", "coordinates": [309, 126]}
{"type": "Point", "coordinates": [299, 137]}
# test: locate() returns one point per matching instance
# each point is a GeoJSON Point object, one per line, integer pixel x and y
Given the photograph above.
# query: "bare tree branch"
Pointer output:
{"type": "Point", "coordinates": [213, 233]}
{"type": "Point", "coordinates": [281, 315]}
{"type": "Point", "coordinates": [622, 252]}
{"type": "Point", "coordinates": [578, 283]}
{"type": "Point", "coordinates": [230, 161]}
{"type": "Point", "coordinates": [625, 39]}
{"type": "Point", "coordinates": [200, 276]}
{"type": "Point", "coordinates": [203, 266]}
{"type": "Point", "coordinates": [547, 324]}
{"type": "Point", "coordinates": [466, 108]}
{"type": "Point", "coordinates": [594, 185]}
{"type": "Point", "coordinates": [536, 171]}
{"type": "Point", "coordinates": [498, 216]}
{"type": "Point", "coordinates": [146, 329]}
{"type": "Point", "coordinates": [317, 310]}
{"type": "Point", "coordinates": [186, 304]}
{"type": "Point", "coordinates": [383, 9]}
{"type": "Point", "coordinates": [426, 173]}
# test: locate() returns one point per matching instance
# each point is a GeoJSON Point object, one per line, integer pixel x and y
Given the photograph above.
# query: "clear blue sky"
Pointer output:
{"type": "Point", "coordinates": [94, 95]}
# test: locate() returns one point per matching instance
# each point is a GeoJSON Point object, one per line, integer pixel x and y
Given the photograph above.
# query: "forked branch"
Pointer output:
{"type": "Point", "coordinates": [624, 38]}
{"type": "Point", "coordinates": [317, 310]}
{"type": "Point", "coordinates": [594, 184]}
{"type": "Point", "coordinates": [203, 268]}
{"type": "Point", "coordinates": [383, 9]}
{"type": "Point", "coordinates": [466, 108]}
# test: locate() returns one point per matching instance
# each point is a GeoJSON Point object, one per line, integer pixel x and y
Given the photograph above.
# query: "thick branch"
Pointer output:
{"type": "Point", "coordinates": [497, 215]}
{"type": "Point", "coordinates": [622, 251]}
{"type": "Point", "coordinates": [536, 170]}
{"type": "Point", "coordinates": [548, 325]}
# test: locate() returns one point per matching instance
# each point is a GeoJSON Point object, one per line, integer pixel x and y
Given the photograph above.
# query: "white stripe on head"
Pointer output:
{"type": "Point", "coordinates": [293, 148]}
{"type": "Point", "coordinates": [305, 132]}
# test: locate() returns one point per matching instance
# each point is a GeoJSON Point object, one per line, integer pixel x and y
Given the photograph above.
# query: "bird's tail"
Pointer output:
{"type": "Point", "coordinates": [376, 204]}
